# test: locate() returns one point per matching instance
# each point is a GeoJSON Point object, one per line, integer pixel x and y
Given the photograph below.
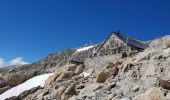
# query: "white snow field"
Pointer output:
{"type": "Point", "coordinates": [85, 48]}
{"type": "Point", "coordinates": [31, 83]}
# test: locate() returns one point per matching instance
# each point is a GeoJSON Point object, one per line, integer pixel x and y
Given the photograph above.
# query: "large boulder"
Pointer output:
{"type": "Point", "coordinates": [66, 72]}
{"type": "Point", "coordinates": [107, 72]}
{"type": "Point", "coordinates": [79, 69]}
{"type": "Point", "coordinates": [69, 92]}
{"type": "Point", "coordinates": [53, 77]}
{"type": "Point", "coordinates": [66, 75]}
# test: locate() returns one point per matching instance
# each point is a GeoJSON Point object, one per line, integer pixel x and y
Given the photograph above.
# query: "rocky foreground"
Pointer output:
{"type": "Point", "coordinates": [141, 76]}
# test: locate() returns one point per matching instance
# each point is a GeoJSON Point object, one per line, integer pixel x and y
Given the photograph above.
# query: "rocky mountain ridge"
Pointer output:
{"type": "Point", "coordinates": [141, 76]}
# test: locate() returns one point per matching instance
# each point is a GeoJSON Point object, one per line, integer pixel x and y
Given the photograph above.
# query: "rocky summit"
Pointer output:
{"type": "Point", "coordinates": [139, 71]}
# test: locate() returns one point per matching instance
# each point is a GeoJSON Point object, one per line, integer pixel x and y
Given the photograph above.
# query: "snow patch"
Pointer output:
{"type": "Point", "coordinates": [29, 84]}
{"type": "Point", "coordinates": [85, 48]}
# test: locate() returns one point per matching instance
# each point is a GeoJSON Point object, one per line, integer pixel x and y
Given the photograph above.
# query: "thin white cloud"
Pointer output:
{"type": "Point", "coordinates": [15, 61]}
{"type": "Point", "coordinates": [18, 61]}
{"type": "Point", "coordinates": [2, 63]}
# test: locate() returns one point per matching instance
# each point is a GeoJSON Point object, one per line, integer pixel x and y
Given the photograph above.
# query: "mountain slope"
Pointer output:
{"type": "Point", "coordinates": [140, 76]}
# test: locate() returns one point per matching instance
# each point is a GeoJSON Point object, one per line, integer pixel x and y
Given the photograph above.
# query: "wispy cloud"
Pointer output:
{"type": "Point", "coordinates": [15, 61]}
{"type": "Point", "coordinates": [2, 63]}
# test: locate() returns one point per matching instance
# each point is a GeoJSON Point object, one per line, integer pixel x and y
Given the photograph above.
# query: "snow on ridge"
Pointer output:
{"type": "Point", "coordinates": [85, 48]}
{"type": "Point", "coordinates": [29, 84]}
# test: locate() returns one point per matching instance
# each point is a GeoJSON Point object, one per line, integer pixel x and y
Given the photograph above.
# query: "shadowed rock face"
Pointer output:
{"type": "Point", "coordinates": [143, 76]}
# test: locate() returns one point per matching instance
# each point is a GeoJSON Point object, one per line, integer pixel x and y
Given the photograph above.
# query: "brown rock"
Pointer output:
{"type": "Point", "coordinates": [79, 69]}
{"type": "Point", "coordinates": [70, 67]}
{"type": "Point", "coordinates": [69, 92]}
{"type": "Point", "coordinates": [66, 72]}
{"type": "Point", "coordinates": [106, 73]}
{"type": "Point", "coordinates": [66, 75]}
{"type": "Point", "coordinates": [52, 78]}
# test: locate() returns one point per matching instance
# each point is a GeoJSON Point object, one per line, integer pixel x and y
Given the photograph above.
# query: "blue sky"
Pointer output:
{"type": "Point", "coordinates": [34, 28]}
